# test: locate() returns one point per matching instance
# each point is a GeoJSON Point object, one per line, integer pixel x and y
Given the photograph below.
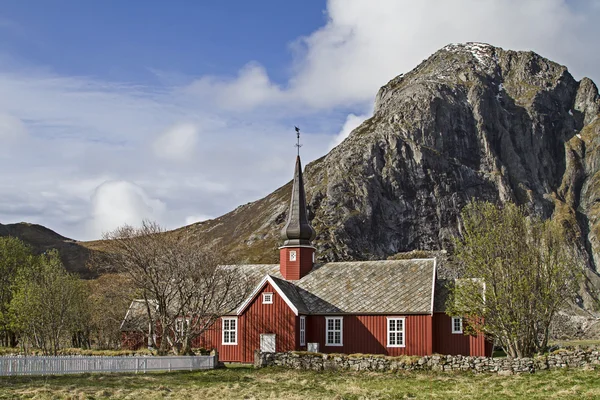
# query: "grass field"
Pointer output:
{"type": "Point", "coordinates": [273, 383]}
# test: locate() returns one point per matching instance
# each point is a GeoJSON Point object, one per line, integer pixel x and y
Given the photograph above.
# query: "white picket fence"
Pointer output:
{"type": "Point", "coordinates": [80, 364]}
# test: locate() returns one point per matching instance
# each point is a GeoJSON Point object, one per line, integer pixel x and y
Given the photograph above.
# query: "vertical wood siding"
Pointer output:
{"type": "Point", "coordinates": [361, 333]}
{"type": "Point", "coordinates": [368, 334]}
{"type": "Point", "coordinates": [294, 270]}
{"type": "Point", "coordinates": [133, 340]}
{"type": "Point", "coordinates": [446, 342]}
{"type": "Point", "coordinates": [212, 339]}
{"type": "Point", "coordinates": [258, 318]}
{"type": "Point", "coordinates": [275, 318]}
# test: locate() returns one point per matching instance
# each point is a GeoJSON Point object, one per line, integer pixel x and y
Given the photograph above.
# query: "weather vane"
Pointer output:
{"type": "Point", "coordinates": [298, 145]}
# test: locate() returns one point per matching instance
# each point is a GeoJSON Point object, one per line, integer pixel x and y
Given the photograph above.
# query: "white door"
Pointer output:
{"type": "Point", "coordinates": [267, 342]}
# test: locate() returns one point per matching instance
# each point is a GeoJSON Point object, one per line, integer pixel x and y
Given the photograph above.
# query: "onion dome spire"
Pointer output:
{"type": "Point", "coordinates": [297, 230]}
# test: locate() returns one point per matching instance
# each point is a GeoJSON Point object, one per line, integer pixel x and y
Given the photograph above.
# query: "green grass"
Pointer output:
{"type": "Point", "coordinates": [274, 383]}
{"type": "Point", "coordinates": [81, 352]}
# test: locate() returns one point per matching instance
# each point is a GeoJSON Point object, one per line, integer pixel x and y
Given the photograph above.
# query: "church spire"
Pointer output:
{"type": "Point", "coordinates": [297, 255]}
{"type": "Point", "coordinates": [297, 230]}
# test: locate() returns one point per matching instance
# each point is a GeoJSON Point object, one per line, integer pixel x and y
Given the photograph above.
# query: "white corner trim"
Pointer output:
{"type": "Point", "coordinates": [131, 306]}
{"type": "Point", "coordinates": [126, 315]}
{"type": "Point", "coordinates": [283, 296]}
{"type": "Point", "coordinates": [254, 293]}
{"type": "Point", "coordinates": [433, 283]}
{"type": "Point", "coordinates": [257, 290]}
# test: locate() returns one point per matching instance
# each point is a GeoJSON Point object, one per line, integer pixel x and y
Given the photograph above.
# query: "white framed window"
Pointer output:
{"type": "Point", "coordinates": [180, 323]}
{"type": "Point", "coordinates": [230, 326]}
{"type": "Point", "coordinates": [267, 298]}
{"type": "Point", "coordinates": [457, 325]}
{"type": "Point", "coordinates": [334, 331]}
{"type": "Point", "coordinates": [302, 330]}
{"type": "Point", "coordinates": [395, 332]}
{"type": "Point", "coordinates": [292, 255]}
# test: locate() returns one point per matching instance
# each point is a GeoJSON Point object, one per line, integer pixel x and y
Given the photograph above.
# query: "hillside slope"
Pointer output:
{"type": "Point", "coordinates": [472, 121]}
{"type": "Point", "coordinates": [73, 254]}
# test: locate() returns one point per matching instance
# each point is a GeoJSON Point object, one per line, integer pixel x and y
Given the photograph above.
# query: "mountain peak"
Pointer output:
{"type": "Point", "coordinates": [479, 50]}
{"type": "Point", "coordinates": [473, 121]}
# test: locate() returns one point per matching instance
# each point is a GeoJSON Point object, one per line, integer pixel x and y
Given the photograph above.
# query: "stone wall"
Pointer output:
{"type": "Point", "coordinates": [584, 358]}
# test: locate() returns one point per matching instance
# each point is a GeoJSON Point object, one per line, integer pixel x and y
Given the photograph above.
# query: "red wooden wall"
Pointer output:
{"type": "Point", "coordinates": [367, 334]}
{"type": "Point", "coordinates": [446, 342]}
{"type": "Point", "coordinates": [258, 318]}
{"type": "Point", "coordinates": [275, 318]}
{"type": "Point", "coordinates": [133, 340]}
{"type": "Point", "coordinates": [361, 334]}
{"type": "Point", "coordinates": [294, 270]}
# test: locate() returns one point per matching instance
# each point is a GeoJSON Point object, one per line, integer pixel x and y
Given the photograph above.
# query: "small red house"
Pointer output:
{"type": "Point", "coordinates": [372, 307]}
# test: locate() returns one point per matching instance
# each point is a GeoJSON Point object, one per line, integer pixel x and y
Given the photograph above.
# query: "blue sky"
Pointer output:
{"type": "Point", "coordinates": [124, 40]}
{"type": "Point", "coordinates": [114, 111]}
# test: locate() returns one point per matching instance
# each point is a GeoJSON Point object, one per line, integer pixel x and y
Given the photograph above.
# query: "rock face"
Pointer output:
{"type": "Point", "coordinates": [472, 121]}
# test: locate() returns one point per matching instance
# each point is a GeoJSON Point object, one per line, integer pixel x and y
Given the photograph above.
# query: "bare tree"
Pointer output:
{"type": "Point", "coordinates": [109, 297]}
{"type": "Point", "coordinates": [184, 287]}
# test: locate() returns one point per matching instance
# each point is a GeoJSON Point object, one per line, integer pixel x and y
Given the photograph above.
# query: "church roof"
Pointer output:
{"type": "Point", "coordinates": [291, 292]}
{"type": "Point", "coordinates": [136, 318]}
{"type": "Point", "coordinates": [358, 287]}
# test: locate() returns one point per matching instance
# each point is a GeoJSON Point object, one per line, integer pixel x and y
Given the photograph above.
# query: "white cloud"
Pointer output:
{"type": "Point", "coordinates": [192, 219]}
{"type": "Point", "coordinates": [352, 122]}
{"type": "Point", "coordinates": [115, 203]}
{"type": "Point", "coordinates": [364, 44]}
{"type": "Point", "coordinates": [235, 133]}
{"type": "Point", "coordinates": [82, 133]}
{"type": "Point", "coordinates": [252, 87]}
{"type": "Point", "coordinates": [12, 129]}
{"type": "Point", "coordinates": [177, 143]}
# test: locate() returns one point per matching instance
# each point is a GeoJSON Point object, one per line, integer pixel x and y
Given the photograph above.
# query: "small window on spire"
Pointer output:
{"type": "Point", "coordinates": [292, 255]}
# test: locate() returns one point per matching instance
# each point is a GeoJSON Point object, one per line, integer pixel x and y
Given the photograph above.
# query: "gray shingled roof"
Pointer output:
{"type": "Point", "coordinates": [361, 287]}
{"type": "Point", "coordinates": [441, 294]}
{"type": "Point", "coordinates": [136, 318]}
{"type": "Point", "coordinates": [291, 292]}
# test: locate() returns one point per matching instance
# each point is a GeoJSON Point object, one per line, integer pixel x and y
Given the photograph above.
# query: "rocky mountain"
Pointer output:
{"type": "Point", "coordinates": [473, 121]}
{"type": "Point", "coordinates": [73, 254]}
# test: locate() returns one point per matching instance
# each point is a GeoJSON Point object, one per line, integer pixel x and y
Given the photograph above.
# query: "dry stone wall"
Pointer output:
{"type": "Point", "coordinates": [584, 358]}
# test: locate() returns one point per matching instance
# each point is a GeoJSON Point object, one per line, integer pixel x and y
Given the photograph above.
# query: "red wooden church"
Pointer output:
{"type": "Point", "coordinates": [372, 307]}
